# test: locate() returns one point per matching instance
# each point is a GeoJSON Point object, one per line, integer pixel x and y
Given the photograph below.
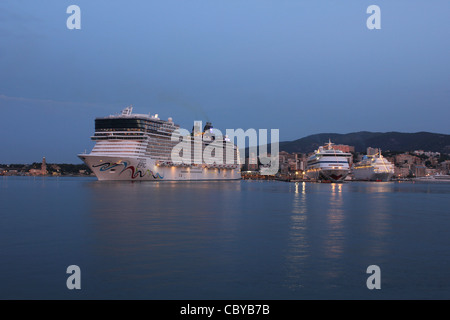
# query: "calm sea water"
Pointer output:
{"type": "Point", "coordinates": [223, 240]}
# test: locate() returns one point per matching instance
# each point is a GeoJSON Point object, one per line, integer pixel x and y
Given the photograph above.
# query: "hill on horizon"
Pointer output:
{"type": "Point", "coordinates": [386, 141]}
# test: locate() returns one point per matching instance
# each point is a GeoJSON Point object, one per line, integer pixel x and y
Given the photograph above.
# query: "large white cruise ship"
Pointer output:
{"type": "Point", "coordinates": [328, 164]}
{"type": "Point", "coordinates": [139, 147]}
{"type": "Point", "coordinates": [373, 168]}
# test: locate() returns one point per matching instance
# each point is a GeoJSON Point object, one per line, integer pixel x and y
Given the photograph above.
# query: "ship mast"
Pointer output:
{"type": "Point", "coordinates": [128, 110]}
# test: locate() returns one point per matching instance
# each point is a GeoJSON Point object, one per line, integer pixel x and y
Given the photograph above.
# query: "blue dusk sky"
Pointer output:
{"type": "Point", "coordinates": [303, 67]}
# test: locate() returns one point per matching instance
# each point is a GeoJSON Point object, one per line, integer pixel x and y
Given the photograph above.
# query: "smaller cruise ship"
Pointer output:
{"type": "Point", "coordinates": [434, 178]}
{"type": "Point", "coordinates": [373, 168]}
{"type": "Point", "coordinates": [328, 164]}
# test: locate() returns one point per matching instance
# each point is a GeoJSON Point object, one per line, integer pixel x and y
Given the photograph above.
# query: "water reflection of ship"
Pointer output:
{"type": "Point", "coordinates": [303, 248]}
{"type": "Point", "coordinates": [299, 248]}
{"type": "Point", "coordinates": [335, 217]}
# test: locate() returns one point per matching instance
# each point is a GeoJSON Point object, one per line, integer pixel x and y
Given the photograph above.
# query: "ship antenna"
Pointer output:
{"type": "Point", "coordinates": [127, 111]}
{"type": "Point", "coordinates": [383, 160]}
{"type": "Point", "coordinates": [329, 144]}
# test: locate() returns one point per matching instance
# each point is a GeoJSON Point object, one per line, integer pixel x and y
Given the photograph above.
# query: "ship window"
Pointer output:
{"type": "Point", "coordinates": [119, 125]}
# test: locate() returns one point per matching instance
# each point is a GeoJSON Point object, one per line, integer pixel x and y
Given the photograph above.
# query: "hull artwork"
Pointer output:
{"type": "Point", "coordinates": [113, 168]}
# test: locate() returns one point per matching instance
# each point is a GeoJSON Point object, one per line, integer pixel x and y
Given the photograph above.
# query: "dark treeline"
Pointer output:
{"type": "Point", "coordinates": [63, 168]}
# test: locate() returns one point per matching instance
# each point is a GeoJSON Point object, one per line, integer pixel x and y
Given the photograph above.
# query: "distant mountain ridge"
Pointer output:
{"type": "Point", "coordinates": [387, 141]}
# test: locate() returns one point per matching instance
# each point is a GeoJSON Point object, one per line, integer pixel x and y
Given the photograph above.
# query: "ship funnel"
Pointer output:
{"type": "Point", "coordinates": [207, 126]}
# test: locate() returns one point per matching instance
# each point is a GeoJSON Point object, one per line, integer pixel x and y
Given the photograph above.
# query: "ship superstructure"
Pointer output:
{"type": "Point", "coordinates": [141, 147]}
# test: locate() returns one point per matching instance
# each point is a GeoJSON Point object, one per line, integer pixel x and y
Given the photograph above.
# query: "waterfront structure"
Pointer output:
{"type": "Point", "coordinates": [373, 167]}
{"type": "Point", "coordinates": [406, 159]}
{"type": "Point", "coordinates": [44, 167]}
{"type": "Point", "coordinates": [343, 148]}
{"type": "Point", "coordinates": [35, 172]}
{"type": "Point", "coordinates": [139, 147]}
{"type": "Point", "coordinates": [401, 172]}
{"type": "Point", "coordinates": [39, 172]}
{"type": "Point", "coordinates": [445, 166]}
{"type": "Point", "coordinates": [328, 164]}
{"type": "Point", "coordinates": [427, 153]}
{"type": "Point", "coordinates": [372, 151]}
{"type": "Point", "coordinates": [419, 170]}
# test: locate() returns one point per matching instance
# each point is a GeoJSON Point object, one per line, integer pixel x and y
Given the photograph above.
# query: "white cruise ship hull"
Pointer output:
{"type": "Point", "coordinates": [145, 169]}
{"type": "Point", "coordinates": [369, 174]}
{"type": "Point", "coordinates": [333, 175]}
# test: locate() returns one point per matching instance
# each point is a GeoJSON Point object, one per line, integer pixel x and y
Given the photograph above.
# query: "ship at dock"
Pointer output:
{"type": "Point", "coordinates": [140, 147]}
{"type": "Point", "coordinates": [434, 178]}
{"type": "Point", "coordinates": [328, 164]}
{"type": "Point", "coordinates": [373, 168]}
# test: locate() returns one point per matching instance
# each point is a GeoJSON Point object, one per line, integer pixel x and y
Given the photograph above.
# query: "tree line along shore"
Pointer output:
{"type": "Point", "coordinates": [45, 169]}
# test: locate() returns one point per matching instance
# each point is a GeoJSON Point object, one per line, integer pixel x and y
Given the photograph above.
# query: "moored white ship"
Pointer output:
{"type": "Point", "coordinates": [328, 164]}
{"type": "Point", "coordinates": [139, 147]}
{"type": "Point", "coordinates": [373, 168]}
{"type": "Point", "coordinates": [434, 178]}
